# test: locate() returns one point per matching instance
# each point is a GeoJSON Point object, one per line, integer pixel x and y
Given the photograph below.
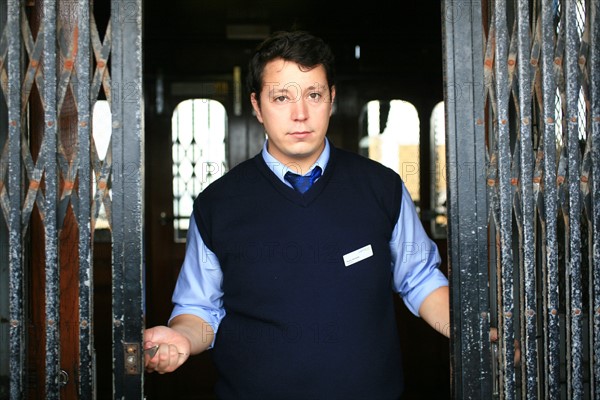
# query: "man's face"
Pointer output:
{"type": "Point", "coordinates": [295, 106]}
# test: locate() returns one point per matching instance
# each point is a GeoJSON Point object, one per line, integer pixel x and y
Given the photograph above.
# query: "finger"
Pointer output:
{"type": "Point", "coordinates": [162, 359]}
{"type": "Point", "coordinates": [517, 353]}
{"type": "Point", "coordinates": [168, 359]}
{"type": "Point", "coordinates": [151, 361]}
{"type": "Point", "coordinates": [176, 357]}
{"type": "Point", "coordinates": [493, 334]}
{"type": "Point", "coordinates": [158, 360]}
{"type": "Point", "coordinates": [149, 335]}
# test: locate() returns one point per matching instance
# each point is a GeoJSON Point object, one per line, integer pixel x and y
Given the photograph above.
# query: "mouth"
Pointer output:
{"type": "Point", "coordinates": [300, 134]}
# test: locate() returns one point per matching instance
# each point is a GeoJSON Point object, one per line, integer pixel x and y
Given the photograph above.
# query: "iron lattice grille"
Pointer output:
{"type": "Point", "coordinates": [532, 107]}
{"type": "Point", "coordinates": [53, 68]}
{"type": "Point", "coordinates": [539, 160]}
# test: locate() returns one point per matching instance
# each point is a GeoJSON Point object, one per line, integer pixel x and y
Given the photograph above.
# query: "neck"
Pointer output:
{"type": "Point", "coordinates": [299, 164]}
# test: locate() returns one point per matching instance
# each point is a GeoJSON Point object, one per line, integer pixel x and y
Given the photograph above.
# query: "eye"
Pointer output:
{"type": "Point", "coordinates": [315, 96]}
{"type": "Point", "coordinates": [280, 99]}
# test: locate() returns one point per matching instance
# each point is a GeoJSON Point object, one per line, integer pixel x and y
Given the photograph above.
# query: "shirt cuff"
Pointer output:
{"type": "Point", "coordinates": [210, 316]}
{"type": "Point", "coordinates": [415, 297]}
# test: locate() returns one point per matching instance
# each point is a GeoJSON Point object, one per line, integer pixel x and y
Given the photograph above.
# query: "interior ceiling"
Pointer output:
{"type": "Point", "coordinates": [185, 39]}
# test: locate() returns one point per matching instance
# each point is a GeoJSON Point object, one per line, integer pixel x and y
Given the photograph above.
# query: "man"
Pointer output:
{"type": "Point", "coordinates": [292, 289]}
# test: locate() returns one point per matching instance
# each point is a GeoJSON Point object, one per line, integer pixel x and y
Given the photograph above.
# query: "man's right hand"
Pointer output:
{"type": "Point", "coordinates": [173, 349]}
{"type": "Point", "coordinates": [186, 334]}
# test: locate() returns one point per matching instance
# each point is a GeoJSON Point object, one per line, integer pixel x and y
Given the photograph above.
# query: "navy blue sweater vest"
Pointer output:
{"type": "Point", "coordinates": [300, 324]}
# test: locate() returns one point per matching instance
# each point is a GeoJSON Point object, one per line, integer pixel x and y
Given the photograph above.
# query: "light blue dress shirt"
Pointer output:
{"type": "Point", "coordinates": [415, 259]}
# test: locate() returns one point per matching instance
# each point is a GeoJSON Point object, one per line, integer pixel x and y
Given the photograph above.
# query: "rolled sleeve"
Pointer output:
{"type": "Point", "coordinates": [415, 258]}
{"type": "Point", "coordinates": [199, 286]}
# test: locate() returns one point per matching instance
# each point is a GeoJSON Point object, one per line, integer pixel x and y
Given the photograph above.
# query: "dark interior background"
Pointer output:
{"type": "Point", "coordinates": [197, 44]}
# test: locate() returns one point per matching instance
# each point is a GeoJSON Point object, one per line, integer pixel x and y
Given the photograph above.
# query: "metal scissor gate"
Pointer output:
{"type": "Point", "coordinates": [522, 98]}
{"type": "Point", "coordinates": [55, 63]}
{"type": "Point", "coordinates": [522, 90]}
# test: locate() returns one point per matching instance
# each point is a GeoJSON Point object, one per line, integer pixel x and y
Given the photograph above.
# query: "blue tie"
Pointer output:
{"type": "Point", "coordinates": [302, 183]}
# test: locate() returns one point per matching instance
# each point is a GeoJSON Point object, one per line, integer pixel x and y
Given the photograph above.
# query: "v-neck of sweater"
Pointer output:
{"type": "Point", "coordinates": [301, 199]}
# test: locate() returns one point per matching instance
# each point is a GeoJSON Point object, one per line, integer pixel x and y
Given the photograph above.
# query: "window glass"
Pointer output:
{"type": "Point", "coordinates": [199, 157]}
{"type": "Point", "coordinates": [438, 158]}
{"type": "Point", "coordinates": [390, 135]}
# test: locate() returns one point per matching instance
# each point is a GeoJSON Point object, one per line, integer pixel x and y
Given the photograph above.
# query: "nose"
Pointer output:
{"type": "Point", "coordinates": [300, 110]}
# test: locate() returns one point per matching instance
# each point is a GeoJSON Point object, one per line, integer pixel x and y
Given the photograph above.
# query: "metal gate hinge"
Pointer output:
{"type": "Point", "coordinates": [132, 359]}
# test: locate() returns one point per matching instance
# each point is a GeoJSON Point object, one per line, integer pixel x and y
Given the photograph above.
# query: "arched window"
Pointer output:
{"type": "Point", "coordinates": [390, 135]}
{"type": "Point", "coordinates": [438, 160]}
{"type": "Point", "coordinates": [199, 129]}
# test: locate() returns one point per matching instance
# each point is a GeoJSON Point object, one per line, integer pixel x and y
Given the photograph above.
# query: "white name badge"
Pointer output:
{"type": "Point", "coordinates": [358, 255]}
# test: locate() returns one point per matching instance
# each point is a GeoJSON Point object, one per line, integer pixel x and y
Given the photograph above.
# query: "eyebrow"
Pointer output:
{"type": "Point", "coordinates": [277, 91]}
{"type": "Point", "coordinates": [318, 86]}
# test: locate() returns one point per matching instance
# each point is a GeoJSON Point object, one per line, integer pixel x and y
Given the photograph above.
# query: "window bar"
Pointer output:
{"type": "Point", "coordinates": [550, 211]}
{"type": "Point", "coordinates": [49, 151]}
{"type": "Point", "coordinates": [467, 209]}
{"type": "Point", "coordinates": [82, 96]}
{"type": "Point", "coordinates": [573, 273]}
{"type": "Point", "coordinates": [13, 99]}
{"type": "Point", "coordinates": [593, 9]}
{"type": "Point", "coordinates": [527, 235]}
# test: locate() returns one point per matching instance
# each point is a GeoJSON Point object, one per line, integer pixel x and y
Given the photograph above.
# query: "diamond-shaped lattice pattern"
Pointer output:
{"type": "Point", "coordinates": [33, 76]}
{"type": "Point", "coordinates": [55, 185]}
{"type": "Point", "coordinates": [101, 82]}
{"type": "Point", "coordinates": [537, 88]}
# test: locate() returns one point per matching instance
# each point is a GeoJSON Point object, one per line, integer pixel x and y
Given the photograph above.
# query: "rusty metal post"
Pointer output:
{"type": "Point", "coordinates": [83, 67]}
{"type": "Point", "coordinates": [12, 198]}
{"type": "Point", "coordinates": [527, 253]}
{"type": "Point", "coordinates": [502, 133]}
{"type": "Point", "coordinates": [574, 308]}
{"type": "Point", "coordinates": [127, 229]}
{"type": "Point", "coordinates": [47, 164]}
{"type": "Point", "coordinates": [4, 264]}
{"type": "Point", "coordinates": [467, 204]}
{"type": "Point", "coordinates": [594, 67]}
{"type": "Point", "coordinates": [550, 204]}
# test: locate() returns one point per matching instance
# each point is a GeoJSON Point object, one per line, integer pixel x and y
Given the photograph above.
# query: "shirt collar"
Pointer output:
{"type": "Point", "coordinates": [279, 169]}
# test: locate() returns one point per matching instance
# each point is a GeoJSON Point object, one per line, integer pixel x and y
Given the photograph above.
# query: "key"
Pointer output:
{"type": "Point", "coordinates": [151, 351]}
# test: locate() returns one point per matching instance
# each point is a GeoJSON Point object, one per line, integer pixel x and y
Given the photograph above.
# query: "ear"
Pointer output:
{"type": "Point", "coordinates": [331, 100]}
{"type": "Point", "coordinates": [256, 106]}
